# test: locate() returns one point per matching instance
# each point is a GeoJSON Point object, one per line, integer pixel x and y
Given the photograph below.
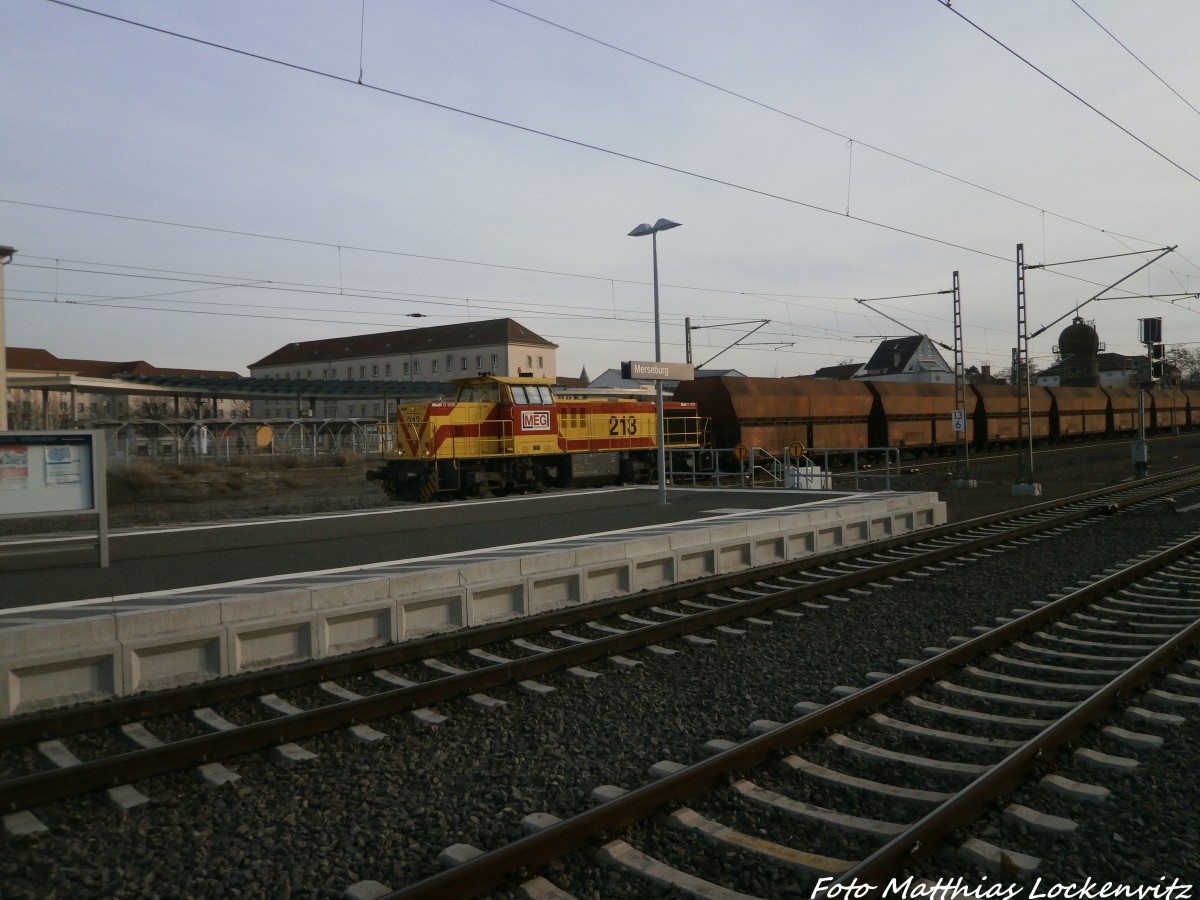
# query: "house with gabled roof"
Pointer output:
{"type": "Point", "coordinates": [912, 358]}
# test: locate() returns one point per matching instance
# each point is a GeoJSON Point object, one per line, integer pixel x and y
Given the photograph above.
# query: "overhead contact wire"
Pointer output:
{"type": "Point", "coordinates": [1063, 87]}
{"type": "Point", "coordinates": [530, 130]}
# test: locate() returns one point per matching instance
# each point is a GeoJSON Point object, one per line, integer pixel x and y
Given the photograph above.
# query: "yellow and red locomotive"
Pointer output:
{"type": "Point", "coordinates": [505, 434]}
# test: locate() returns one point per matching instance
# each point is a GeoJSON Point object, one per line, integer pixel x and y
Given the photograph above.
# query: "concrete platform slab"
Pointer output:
{"type": "Point", "coordinates": [108, 647]}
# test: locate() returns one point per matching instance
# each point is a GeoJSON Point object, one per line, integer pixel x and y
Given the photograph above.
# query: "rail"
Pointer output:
{"type": "Point", "coordinates": [486, 871]}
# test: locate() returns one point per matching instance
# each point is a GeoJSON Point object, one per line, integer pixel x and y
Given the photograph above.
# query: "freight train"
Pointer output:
{"type": "Point", "coordinates": [917, 417]}
{"type": "Point", "coordinates": [505, 434]}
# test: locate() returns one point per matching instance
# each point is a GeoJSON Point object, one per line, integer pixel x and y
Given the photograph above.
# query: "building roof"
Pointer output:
{"type": "Point", "coordinates": [35, 359]}
{"type": "Point", "coordinates": [567, 382]}
{"type": "Point", "coordinates": [843, 372]}
{"type": "Point", "coordinates": [31, 359]}
{"type": "Point", "coordinates": [718, 373]}
{"type": "Point", "coordinates": [411, 340]}
{"type": "Point", "coordinates": [984, 376]}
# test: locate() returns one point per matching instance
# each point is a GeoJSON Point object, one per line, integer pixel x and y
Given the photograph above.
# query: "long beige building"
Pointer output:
{"type": "Point", "coordinates": [437, 353]}
{"type": "Point", "coordinates": [46, 391]}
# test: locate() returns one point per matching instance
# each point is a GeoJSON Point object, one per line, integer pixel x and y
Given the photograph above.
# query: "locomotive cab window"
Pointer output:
{"type": "Point", "coordinates": [532, 395]}
{"type": "Point", "coordinates": [479, 393]}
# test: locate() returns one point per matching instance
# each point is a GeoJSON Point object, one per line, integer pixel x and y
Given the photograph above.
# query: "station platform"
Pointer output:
{"type": "Point", "coordinates": [102, 647]}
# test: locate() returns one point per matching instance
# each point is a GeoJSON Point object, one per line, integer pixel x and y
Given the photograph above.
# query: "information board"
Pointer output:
{"type": "Point", "coordinates": [49, 473]}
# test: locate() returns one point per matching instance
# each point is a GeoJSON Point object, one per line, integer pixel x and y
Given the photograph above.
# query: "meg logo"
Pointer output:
{"type": "Point", "coordinates": [535, 420]}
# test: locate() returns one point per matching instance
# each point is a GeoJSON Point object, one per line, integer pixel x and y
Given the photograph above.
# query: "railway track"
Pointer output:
{"type": "Point", "coordinates": [728, 603]}
{"type": "Point", "coordinates": [998, 706]}
{"type": "Point", "coordinates": [1042, 454]}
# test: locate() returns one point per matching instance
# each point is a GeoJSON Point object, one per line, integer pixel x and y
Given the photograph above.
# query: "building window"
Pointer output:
{"type": "Point", "coordinates": [495, 362]}
{"type": "Point", "coordinates": [374, 371]}
{"type": "Point", "coordinates": [529, 362]}
{"type": "Point", "coordinates": [375, 410]}
{"type": "Point", "coordinates": [462, 364]}
{"type": "Point", "coordinates": [479, 362]}
{"type": "Point", "coordinates": [416, 367]}
{"type": "Point", "coordinates": [307, 376]}
{"type": "Point", "coordinates": [540, 363]}
{"type": "Point", "coordinates": [406, 368]}
{"type": "Point", "coordinates": [435, 365]}
{"type": "Point", "coordinates": [449, 363]}
{"type": "Point", "coordinates": [362, 371]}
{"type": "Point", "coordinates": [387, 369]}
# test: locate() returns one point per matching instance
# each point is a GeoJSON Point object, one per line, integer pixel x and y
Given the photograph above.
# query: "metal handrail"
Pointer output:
{"type": "Point", "coordinates": [692, 466]}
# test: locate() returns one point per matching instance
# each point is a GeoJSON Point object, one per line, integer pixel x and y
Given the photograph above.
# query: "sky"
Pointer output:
{"type": "Point", "coordinates": [289, 170]}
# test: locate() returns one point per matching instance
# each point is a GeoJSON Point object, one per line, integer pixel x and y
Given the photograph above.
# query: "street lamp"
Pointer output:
{"type": "Point", "coordinates": [653, 230]}
{"type": "Point", "coordinates": [6, 255]}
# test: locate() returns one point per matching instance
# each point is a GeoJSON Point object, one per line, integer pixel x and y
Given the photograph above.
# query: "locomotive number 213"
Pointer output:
{"type": "Point", "coordinates": [622, 425]}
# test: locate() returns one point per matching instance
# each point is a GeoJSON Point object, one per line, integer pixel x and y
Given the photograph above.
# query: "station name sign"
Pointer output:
{"type": "Point", "coordinates": [658, 371]}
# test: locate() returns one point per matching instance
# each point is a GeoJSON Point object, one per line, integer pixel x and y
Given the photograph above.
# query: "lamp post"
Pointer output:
{"type": "Point", "coordinates": [653, 230]}
{"type": "Point", "coordinates": [6, 255]}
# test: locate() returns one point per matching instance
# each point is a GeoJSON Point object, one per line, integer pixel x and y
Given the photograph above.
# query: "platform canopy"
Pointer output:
{"type": "Point", "coordinates": [236, 388]}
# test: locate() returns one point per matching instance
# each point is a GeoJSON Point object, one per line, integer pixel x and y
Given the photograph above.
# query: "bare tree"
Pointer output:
{"type": "Point", "coordinates": [152, 408]}
{"type": "Point", "coordinates": [1185, 359]}
{"type": "Point", "coordinates": [1007, 373]}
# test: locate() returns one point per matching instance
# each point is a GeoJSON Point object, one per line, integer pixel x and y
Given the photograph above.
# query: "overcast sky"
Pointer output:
{"type": "Point", "coordinates": [187, 205]}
